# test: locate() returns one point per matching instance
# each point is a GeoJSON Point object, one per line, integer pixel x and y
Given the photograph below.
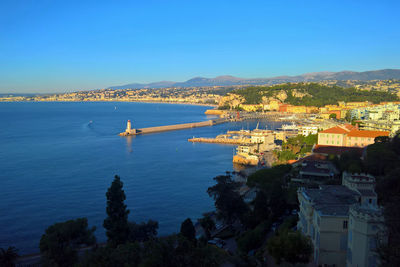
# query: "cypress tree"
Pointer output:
{"type": "Point", "coordinates": [188, 230]}
{"type": "Point", "coordinates": [116, 223]}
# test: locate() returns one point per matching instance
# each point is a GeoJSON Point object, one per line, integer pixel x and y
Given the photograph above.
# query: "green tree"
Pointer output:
{"type": "Point", "coordinates": [228, 202]}
{"type": "Point", "coordinates": [253, 239]}
{"type": "Point", "coordinates": [116, 224]}
{"type": "Point", "coordinates": [187, 230]}
{"type": "Point", "coordinates": [261, 207]}
{"type": "Point", "coordinates": [8, 256]}
{"type": "Point", "coordinates": [350, 162]}
{"type": "Point", "coordinates": [316, 94]}
{"type": "Point", "coordinates": [143, 231]}
{"type": "Point", "coordinates": [127, 255]}
{"type": "Point", "coordinates": [289, 246]}
{"type": "Point", "coordinates": [388, 189]}
{"type": "Point", "coordinates": [208, 224]}
{"type": "Point", "coordinates": [177, 251]}
{"type": "Point", "coordinates": [332, 116]}
{"type": "Point", "coordinates": [60, 242]}
{"type": "Point", "coordinates": [380, 158]}
{"type": "Point", "coordinates": [348, 116]}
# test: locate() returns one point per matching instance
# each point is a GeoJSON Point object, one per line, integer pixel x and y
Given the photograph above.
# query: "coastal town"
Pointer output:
{"type": "Point", "coordinates": [199, 133]}
{"type": "Point", "coordinates": [338, 207]}
{"type": "Point", "coordinates": [311, 181]}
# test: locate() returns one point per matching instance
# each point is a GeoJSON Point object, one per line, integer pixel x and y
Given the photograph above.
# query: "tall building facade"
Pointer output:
{"type": "Point", "coordinates": [343, 221]}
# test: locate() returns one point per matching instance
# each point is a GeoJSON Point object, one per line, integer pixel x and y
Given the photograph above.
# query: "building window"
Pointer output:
{"type": "Point", "coordinates": [344, 224]}
{"type": "Point", "coordinates": [372, 243]}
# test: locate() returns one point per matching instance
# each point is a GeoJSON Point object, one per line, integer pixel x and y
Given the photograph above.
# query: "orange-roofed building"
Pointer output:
{"type": "Point", "coordinates": [348, 135]}
{"type": "Point", "coordinates": [357, 138]}
{"type": "Point", "coordinates": [283, 107]}
{"type": "Point", "coordinates": [335, 136]}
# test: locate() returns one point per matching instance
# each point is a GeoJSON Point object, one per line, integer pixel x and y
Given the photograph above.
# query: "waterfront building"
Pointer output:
{"type": "Point", "coordinates": [283, 107]}
{"type": "Point", "coordinates": [272, 105]}
{"type": "Point", "coordinates": [296, 109]}
{"type": "Point", "coordinates": [251, 108]}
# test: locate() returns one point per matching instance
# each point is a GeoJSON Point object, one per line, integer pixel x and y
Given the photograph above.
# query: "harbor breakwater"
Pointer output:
{"type": "Point", "coordinates": [165, 128]}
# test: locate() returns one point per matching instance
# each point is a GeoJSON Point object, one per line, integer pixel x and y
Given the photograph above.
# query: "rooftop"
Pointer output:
{"type": "Point", "coordinates": [336, 150]}
{"type": "Point", "coordinates": [332, 200]}
{"type": "Point", "coordinates": [317, 167]}
{"type": "Point", "coordinates": [371, 134]}
{"type": "Point", "coordinates": [340, 129]}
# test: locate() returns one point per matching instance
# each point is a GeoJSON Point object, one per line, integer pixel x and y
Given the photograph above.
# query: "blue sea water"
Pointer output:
{"type": "Point", "coordinates": [58, 159]}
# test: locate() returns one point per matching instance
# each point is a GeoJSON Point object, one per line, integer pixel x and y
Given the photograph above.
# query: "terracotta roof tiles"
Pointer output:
{"type": "Point", "coordinates": [371, 134]}
{"type": "Point", "coordinates": [340, 129]}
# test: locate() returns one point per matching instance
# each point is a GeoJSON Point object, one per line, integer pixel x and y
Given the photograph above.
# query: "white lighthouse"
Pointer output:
{"type": "Point", "coordinates": [128, 127]}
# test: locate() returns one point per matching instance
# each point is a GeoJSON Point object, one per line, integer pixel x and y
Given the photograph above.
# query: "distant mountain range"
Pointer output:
{"type": "Point", "coordinates": [308, 77]}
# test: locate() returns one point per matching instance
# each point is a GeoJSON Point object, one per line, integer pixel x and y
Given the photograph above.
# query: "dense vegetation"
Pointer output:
{"type": "Point", "coordinates": [383, 160]}
{"type": "Point", "coordinates": [316, 94]}
{"type": "Point", "coordinates": [8, 256]}
{"type": "Point", "coordinates": [296, 147]}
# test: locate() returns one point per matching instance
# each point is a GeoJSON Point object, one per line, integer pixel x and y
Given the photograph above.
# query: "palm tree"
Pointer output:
{"type": "Point", "coordinates": [8, 257]}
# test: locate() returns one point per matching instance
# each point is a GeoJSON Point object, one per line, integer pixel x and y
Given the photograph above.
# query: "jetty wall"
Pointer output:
{"type": "Point", "coordinates": [226, 141]}
{"type": "Point", "coordinates": [168, 128]}
{"type": "Point", "coordinates": [174, 127]}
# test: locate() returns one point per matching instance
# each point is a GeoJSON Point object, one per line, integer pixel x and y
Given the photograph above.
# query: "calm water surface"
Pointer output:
{"type": "Point", "coordinates": [58, 159]}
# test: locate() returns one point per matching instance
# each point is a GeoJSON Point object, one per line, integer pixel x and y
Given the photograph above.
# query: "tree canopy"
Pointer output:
{"type": "Point", "coordinates": [60, 242]}
{"type": "Point", "coordinates": [208, 224]}
{"type": "Point", "coordinates": [116, 223]}
{"type": "Point", "coordinates": [314, 94]}
{"type": "Point", "coordinates": [8, 256]}
{"type": "Point", "coordinates": [143, 231]}
{"type": "Point", "coordinates": [187, 230]}
{"type": "Point", "coordinates": [289, 246]}
{"type": "Point", "coordinates": [228, 202]}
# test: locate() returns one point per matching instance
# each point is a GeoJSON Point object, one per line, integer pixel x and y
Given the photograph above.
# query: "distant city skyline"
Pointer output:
{"type": "Point", "coordinates": [48, 46]}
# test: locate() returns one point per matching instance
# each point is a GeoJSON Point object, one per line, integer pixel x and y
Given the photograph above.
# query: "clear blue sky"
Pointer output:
{"type": "Point", "coordinates": [57, 46]}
